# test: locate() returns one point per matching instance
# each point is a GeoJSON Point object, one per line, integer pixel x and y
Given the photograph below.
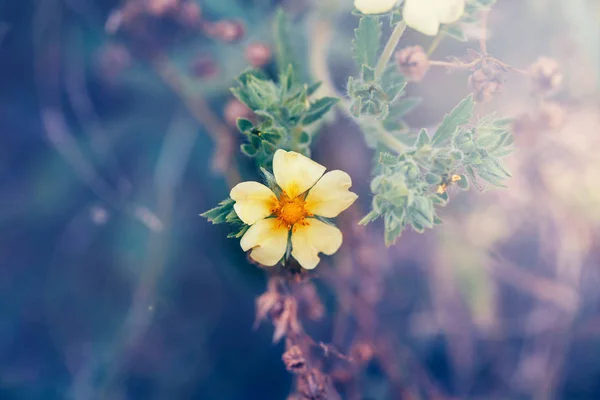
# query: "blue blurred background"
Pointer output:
{"type": "Point", "coordinates": [112, 286]}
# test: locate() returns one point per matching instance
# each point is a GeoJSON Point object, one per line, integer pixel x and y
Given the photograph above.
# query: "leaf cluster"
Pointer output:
{"type": "Point", "coordinates": [408, 187]}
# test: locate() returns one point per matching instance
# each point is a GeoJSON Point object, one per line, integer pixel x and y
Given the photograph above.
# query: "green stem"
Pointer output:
{"type": "Point", "coordinates": [318, 62]}
{"type": "Point", "coordinates": [389, 48]}
{"type": "Point", "coordinates": [436, 42]}
{"type": "Point", "coordinates": [389, 140]}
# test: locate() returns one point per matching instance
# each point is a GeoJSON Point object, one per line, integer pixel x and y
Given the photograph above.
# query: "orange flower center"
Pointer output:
{"type": "Point", "coordinates": [291, 211]}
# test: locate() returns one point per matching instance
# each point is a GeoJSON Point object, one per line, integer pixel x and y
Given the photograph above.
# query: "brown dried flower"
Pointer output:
{"type": "Point", "coordinates": [286, 323]}
{"type": "Point", "coordinates": [413, 62]}
{"type": "Point", "coordinates": [258, 54]}
{"type": "Point", "coordinates": [268, 304]}
{"type": "Point", "coordinates": [313, 385]}
{"type": "Point", "coordinates": [294, 360]}
{"type": "Point", "coordinates": [546, 76]}
{"type": "Point", "coordinates": [487, 80]}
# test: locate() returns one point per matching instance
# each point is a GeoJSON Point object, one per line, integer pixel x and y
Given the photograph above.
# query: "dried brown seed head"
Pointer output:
{"type": "Point", "coordinates": [313, 385]}
{"type": "Point", "coordinates": [487, 80]}
{"type": "Point", "coordinates": [294, 360]}
{"type": "Point", "coordinates": [413, 62]}
{"type": "Point", "coordinates": [286, 323]}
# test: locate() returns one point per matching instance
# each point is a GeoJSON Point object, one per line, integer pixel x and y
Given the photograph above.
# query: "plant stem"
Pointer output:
{"type": "Point", "coordinates": [389, 48]}
{"type": "Point", "coordinates": [436, 42]}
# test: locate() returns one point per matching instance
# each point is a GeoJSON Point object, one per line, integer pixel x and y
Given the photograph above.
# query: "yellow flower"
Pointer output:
{"type": "Point", "coordinates": [426, 16]}
{"type": "Point", "coordinates": [374, 6]}
{"type": "Point", "coordinates": [305, 193]}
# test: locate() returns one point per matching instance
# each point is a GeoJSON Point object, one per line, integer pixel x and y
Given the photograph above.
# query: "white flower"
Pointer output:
{"type": "Point", "coordinates": [426, 16]}
{"type": "Point", "coordinates": [374, 6]}
{"type": "Point", "coordinates": [305, 193]}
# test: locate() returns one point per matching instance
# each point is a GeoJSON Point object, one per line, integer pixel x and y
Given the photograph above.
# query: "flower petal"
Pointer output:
{"type": "Point", "coordinates": [330, 195]}
{"type": "Point", "coordinates": [253, 201]}
{"type": "Point", "coordinates": [312, 237]}
{"type": "Point", "coordinates": [449, 11]}
{"type": "Point", "coordinates": [295, 173]}
{"type": "Point", "coordinates": [268, 240]}
{"type": "Point", "coordinates": [422, 16]}
{"type": "Point", "coordinates": [374, 6]}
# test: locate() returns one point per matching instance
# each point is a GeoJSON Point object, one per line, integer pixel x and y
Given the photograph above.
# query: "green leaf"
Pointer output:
{"type": "Point", "coordinates": [455, 31]}
{"type": "Point", "coordinates": [218, 215]}
{"type": "Point", "coordinates": [367, 73]}
{"type": "Point", "coordinates": [310, 90]}
{"type": "Point", "coordinates": [422, 139]}
{"type": "Point", "coordinates": [402, 107]}
{"type": "Point", "coordinates": [365, 45]}
{"type": "Point", "coordinates": [393, 229]}
{"type": "Point", "coordinates": [244, 125]}
{"type": "Point", "coordinates": [463, 183]}
{"type": "Point", "coordinates": [461, 115]}
{"type": "Point", "coordinates": [284, 55]}
{"type": "Point", "coordinates": [248, 149]}
{"type": "Point", "coordinates": [318, 109]}
{"type": "Point", "coordinates": [240, 233]}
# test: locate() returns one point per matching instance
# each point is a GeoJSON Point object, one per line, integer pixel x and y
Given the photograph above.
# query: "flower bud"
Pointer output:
{"type": "Point", "coordinates": [258, 54]}
{"type": "Point", "coordinates": [204, 67]}
{"type": "Point", "coordinates": [227, 31]}
{"type": "Point", "coordinates": [190, 13]}
{"type": "Point", "coordinates": [546, 75]}
{"type": "Point", "coordinates": [159, 8]}
{"type": "Point", "coordinates": [413, 62]}
{"type": "Point", "coordinates": [375, 6]}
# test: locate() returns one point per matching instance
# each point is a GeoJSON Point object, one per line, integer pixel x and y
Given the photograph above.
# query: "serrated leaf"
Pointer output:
{"type": "Point", "coordinates": [218, 215]}
{"type": "Point", "coordinates": [461, 115]}
{"type": "Point", "coordinates": [365, 45]}
{"type": "Point", "coordinates": [367, 73]}
{"type": "Point", "coordinates": [318, 109]}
